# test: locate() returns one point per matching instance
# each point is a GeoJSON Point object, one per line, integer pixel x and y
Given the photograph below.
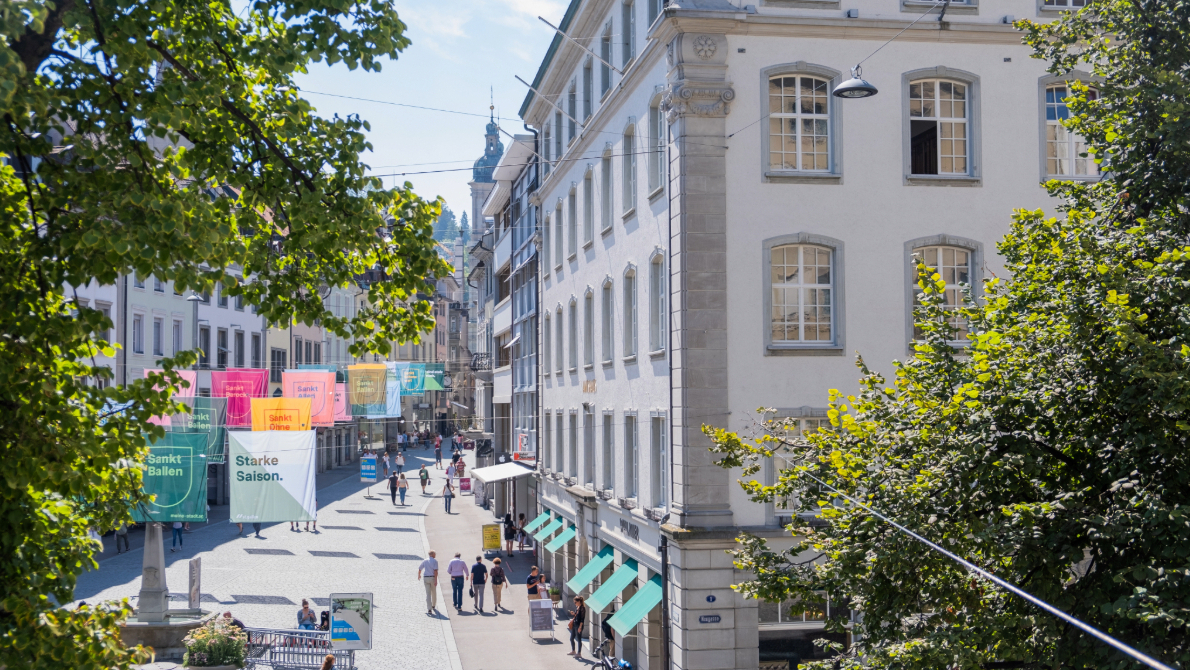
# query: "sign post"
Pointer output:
{"type": "Point", "coordinates": [195, 582]}
{"type": "Point", "coordinates": [491, 536]}
{"type": "Point", "coordinates": [541, 616]}
{"type": "Point", "coordinates": [351, 621]}
{"type": "Point", "coordinates": [367, 471]}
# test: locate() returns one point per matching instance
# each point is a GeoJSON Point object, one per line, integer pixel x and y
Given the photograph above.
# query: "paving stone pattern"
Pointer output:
{"type": "Point", "coordinates": [262, 581]}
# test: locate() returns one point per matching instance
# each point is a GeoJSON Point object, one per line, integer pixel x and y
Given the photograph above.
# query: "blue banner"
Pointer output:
{"type": "Point", "coordinates": [367, 468]}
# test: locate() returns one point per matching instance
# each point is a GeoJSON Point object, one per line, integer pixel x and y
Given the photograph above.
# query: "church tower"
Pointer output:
{"type": "Point", "coordinates": [482, 182]}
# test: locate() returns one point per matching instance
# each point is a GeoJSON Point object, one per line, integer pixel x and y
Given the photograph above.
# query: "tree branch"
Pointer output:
{"type": "Point", "coordinates": [33, 48]}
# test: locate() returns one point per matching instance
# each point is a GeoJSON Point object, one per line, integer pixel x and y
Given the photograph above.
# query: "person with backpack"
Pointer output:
{"type": "Point", "coordinates": [498, 581]}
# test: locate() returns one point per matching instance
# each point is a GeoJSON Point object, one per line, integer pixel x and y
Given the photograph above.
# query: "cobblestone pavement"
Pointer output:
{"type": "Point", "coordinates": [362, 545]}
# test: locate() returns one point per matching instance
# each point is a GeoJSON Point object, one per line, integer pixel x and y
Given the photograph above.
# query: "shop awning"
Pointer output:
{"type": "Point", "coordinates": [541, 518]}
{"type": "Point", "coordinates": [501, 472]}
{"type": "Point", "coordinates": [638, 607]}
{"type": "Point", "coordinates": [564, 537]}
{"type": "Point", "coordinates": [620, 579]}
{"type": "Point", "coordinates": [592, 569]}
{"type": "Point", "coordinates": [548, 530]}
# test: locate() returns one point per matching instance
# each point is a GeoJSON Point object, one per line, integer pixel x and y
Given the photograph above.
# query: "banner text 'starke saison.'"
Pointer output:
{"type": "Point", "coordinates": [272, 476]}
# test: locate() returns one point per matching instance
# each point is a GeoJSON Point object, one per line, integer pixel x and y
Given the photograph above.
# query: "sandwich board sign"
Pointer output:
{"type": "Point", "coordinates": [351, 621]}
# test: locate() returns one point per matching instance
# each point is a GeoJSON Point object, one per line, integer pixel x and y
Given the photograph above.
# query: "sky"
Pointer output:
{"type": "Point", "coordinates": [460, 50]}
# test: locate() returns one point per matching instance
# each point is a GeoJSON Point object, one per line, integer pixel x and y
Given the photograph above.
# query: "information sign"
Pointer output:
{"type": "Point", "coordinates": [491, 536]}
{"type": "Point", "coordinates": [464, 484]}
{"type": "Point", "coordinates": [541, 616]}
{"type": "Point", "coordinates": [367, 468]}
{"type": "Point", "coordinates": [351, 621]}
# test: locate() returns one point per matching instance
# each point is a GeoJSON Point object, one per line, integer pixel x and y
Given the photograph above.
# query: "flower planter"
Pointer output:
{"type": "Point", "coordinates": [556, 597]}
{"type": "Point", "coordinates": [211, 667]}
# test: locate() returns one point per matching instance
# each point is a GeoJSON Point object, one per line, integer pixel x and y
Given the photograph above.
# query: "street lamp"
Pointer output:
{"type": "Point", "coordinates": [855, 87]}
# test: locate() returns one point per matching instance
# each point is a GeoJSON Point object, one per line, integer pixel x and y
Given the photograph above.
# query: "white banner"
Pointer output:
{"type": "Point", "coordinates": [272, 476]}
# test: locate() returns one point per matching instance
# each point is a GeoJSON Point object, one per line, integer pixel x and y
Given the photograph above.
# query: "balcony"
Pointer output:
{"type": "Point", "coordinates": [605, 494]}
{"type": "Point", "coordinates": [627, 503]}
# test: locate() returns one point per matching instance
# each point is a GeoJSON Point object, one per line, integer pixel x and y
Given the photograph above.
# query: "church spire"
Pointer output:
{"type": "Point", "coordinates": [493, 148]}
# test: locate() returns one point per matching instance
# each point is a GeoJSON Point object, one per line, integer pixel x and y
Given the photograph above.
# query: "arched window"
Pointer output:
{"type": "Point", "coordinates": [802, 294]}
{"type": "Point", "coordinates": [938, 127]}
{"type": "Point", "coordinates": [799, 123]}
{"type": "Point", "coordinates": [954, 265]}
{"type": "Point", "coordinates": [1065, 151]}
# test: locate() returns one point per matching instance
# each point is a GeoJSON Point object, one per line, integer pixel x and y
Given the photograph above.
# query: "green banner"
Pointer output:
{"type": "Point", "coordinates": [434, 377]}
{"type": "Point", "coordinates": [175, 471]}
{"type": "Point", "coordinates": [205, 415]}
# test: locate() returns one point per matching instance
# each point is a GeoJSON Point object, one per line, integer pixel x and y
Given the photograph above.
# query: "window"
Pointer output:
{"type": "Point", "coordinates": [137, 280]}
{"type": "Point", "coordinates": [221, 342]}
{"type": "Point", "coordinates": [629, 27]}
{"type": "Point", "coordinates": [158, 337]}
{"type": "Point", "coordinates": [588, 89]}
{"type": "Point", "coordinates": [607, 322]}
{"type": "Point", "coordinates": [573, 335]}
{"type": "Point", "coordinates": [657, 133]}
{"type": "Point", "coordinates": [786, 457]}
{"type": "Point", "coordinates": [588, 209]}
{"type": "Point", "coordinates": [158, 285]}
{"type": "Point", "coordinates": [607, 480]}
{"type": "Point", "coordinates": [276, 364]}
{"type": "Point", "coordinates": [588, 474]}
{"type": "Point", "coordinates": [631, 453]}
{"type": "Point", "coordinates": [572, 219]}
{"type": "Point", "coordinates": [954, 266]}
{"type": "Point", "coordinates": [571, 110]}
{"type": "Point", "coordinates": [1065, 151]}
{"type": "Point", "coordinates": [545, 148]}
{"type": "Point", "coordinates": [657, 313]}
{"type": "Point", "coordinates": [204, 345]}
{"type": "Point", "coordinates": [559, 454]}
{"type": "Point", "coordinates": [239, 303]}
{"type": "Point", "coordinates": [559, 236]}
{"type": "Point", "coordinates": [589, 329]}
{"type": "Point", "coordinates": [558, 136]}
{"type": "Point", "coordinates": [605, 185]}
{"type": "Point", "coordinates": [297, 350]}
{"type": "Point", "coordinates": [104, 334]}
{"type": "Point", "coordinates": [222, 295]}
{"type": "Point", "coordinates": [654, 9]}
{"type": "Point", "coordinates": [310, 349]}
{"type": "Point", "coordinates": [572, 462]}
{"type": "Point", "coordinates": [545, 246]}
{"type": "Point", "coordinates": [558, 355]}
{"type": "Point", "coordinates": [547, 456]}
{"type": "Point", "coordinates": [605, 53]}
{"type": "Point", "coordinates": [177, 336]}
{"type": "Point", "coordinates": [629, 169]}
{"type": "Point", "coordinates": [802, 307]}
{"type": "Point", "coordinates": [138, 334]}
{"type": "Point", "coordinates": [630, 315]}
{"type": "Point", "coordinates": [256, 351]}
{"type": "Point", "coordinates": [545, 341]}
{"type": "Point", "coordinates": [659, 470]}
{"type": "Point", "coordinates": [1074, 4]}
{"type": "Point", "coordinates": [799, 123]}
{"type": "Point", "coordinates": [938, 135]}
{"type": "Point", "coordinates": [239, 348]}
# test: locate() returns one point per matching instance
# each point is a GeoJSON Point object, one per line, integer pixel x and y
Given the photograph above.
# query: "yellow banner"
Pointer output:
{"type": "Point", "coordinates": [491, 536]}
{"type": "Point", "coordinates": [280, 414]}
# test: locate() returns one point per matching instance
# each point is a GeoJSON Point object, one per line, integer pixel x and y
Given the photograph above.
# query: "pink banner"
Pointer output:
{"type": "Point", "coordinates": [187, 375]}
{"type": "Point", "coordinates": [342, 407]}
{"type": "Point", "coordinates": [318, 386]}
{"type": "Point", "coordinates": [239, 386]}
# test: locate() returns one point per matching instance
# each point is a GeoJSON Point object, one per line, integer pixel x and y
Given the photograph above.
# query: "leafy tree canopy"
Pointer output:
{"type": "Point", "coordinates": [165, 138]}
{"type": "Point", "coordinates": [1053, 452]}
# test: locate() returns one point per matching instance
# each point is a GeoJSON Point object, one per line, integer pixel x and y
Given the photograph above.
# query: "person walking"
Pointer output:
{"type": "Point", "coordinates": [315, 522]}
{"type": "Point", "coordinates": [578, 617]}
{"type": "Point", "coordinates": [256, 528]}
{"type": "Point", "coordinates": [177, 540]}
{"type": "Point", "coordinates": [306, 616]}
{"type": "Point", "coordinates": [400, 462]}
{"type": "Point", "coordinates": [403, 488]}
{"type": "Point", "coordinates": [386, 464]}
{"type": "Point", "coordinates": [520, 531]}
{"type": "Point", "coordinates": [293, 525]}
{"type": "Point", "coordinates": [428, 573]}
{"type": "Point", "coordinates": [532, 581]}
{"type": "Point", "coordinates": [510, 531]}
{"type": "Point", "coordinates": [450, 472]}
{"type": "Point", "coordinates": [438, 454]}
{"type": "Point", "coordinates": [448, 494]}
{"type": "Point", "coordinates": [122, 534]}
{"type": "Point", "coordinates": [424, 475]}
{"type": "Point", "coordinates": [328, 663]}
{"type": "Point", "coordinates": [392, 488]}
{"type": "Point", "coordinates": [457, 569]}
{"type": "Point", "coordinates": [498, 580]}
{"type": "Point", "coordinates": [479, 579]}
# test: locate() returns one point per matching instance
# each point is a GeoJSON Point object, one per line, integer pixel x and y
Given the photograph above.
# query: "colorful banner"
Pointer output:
{"type": "Point", "coordinates": [207, 416]}
{"type": "Point", "coordinates": [392, 391]}
{"type": "Point", "coordinates": [175, 471]}
{"type": "Point", "coordinates": [342, 407]}
{"type": "Point", "coordinates": [434, 377]}
{"type": "Point", "coordinates": [351, 620]}
{"type": "Point", "coordinates": [317, 366]}
{"type": "Point", "coordinates": [413, 378]}
{"type": "Point", "coordinates": [190, 376]}
{"type": "Point", "coordinates": [239, 386]}
{"type": "Point", "coordinates": [318, 387]}
{"type": "Point", "coordinates": [272, 476]}
{"type": "Point", "coordinates": [366, 389]}
{"type": "Point", "coordinates": [280, 414]}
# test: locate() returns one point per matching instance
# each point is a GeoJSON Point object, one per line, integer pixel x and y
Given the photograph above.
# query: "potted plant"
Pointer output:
{"type": "Point", "coordinates": [216, 644]}
{"type": "Point", "coordinates": [555, 594]}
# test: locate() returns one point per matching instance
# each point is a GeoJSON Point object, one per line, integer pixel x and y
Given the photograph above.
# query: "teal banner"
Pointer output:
{"type": "Point", "coordinates": [413, 378]}
{"type": "Point", "coordinates": [175, 472]}
{"type": "Point", "coordinates": [208, 416]}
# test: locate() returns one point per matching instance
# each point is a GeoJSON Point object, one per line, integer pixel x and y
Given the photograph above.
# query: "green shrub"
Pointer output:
{"type": "Point", "coordinates": [216, 643]}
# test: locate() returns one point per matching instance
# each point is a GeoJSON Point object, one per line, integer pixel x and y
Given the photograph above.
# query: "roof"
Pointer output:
{"type": "Point", "coordinates": [549, 55]}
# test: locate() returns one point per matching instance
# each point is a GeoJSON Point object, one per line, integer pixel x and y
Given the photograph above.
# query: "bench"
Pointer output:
{"type": "Point", "coordinates": [287, 648]}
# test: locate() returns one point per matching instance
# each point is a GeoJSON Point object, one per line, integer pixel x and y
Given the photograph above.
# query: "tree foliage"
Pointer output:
{"type": "Point", "coordinates": [165, 138]}
{"type": "Point", "coordinates": [1053, 450]}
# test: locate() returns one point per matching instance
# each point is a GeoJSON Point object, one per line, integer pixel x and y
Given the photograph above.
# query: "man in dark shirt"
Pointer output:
{"type": "Point", "coordinates": [479, 579]}
{"type": "Point", "coordinates": [531, 582]}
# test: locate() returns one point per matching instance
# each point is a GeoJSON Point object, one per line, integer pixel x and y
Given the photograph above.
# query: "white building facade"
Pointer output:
{"type": "Point", "coordinates": [719, 233]}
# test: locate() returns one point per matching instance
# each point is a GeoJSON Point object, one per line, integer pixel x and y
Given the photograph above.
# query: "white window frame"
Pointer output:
{"type": "Point", "coordinates": [607, 479]}
{"type": "Point", "coordinates": [588, 88]}
{"type": "Point", "coordinates": [976, 259]}
{"type": "Point", "coordinates": [1043, 86]}
{"type": "Point", "coordinates": [659, 468]}
{"type": "Point", "coordinates": [833, 174]}
{"type": "Point", "coordinates": [973, 175]}
{"type": "Point", "coordinates": [607, 191]}
{"type": "Point", "coordinates": [573, 335]}
{"type": "Point", "coordinates": [558, 143]}
{"type": "Point", "coordinates": [560, 236]}
{"type": "Point", "coordinates": [628, 14]}
{"type": "Point", "coordinates": [658, 317]}
{"type": "Point", "coordinates": [834, 347]}
{"type": "Point", "coordinates": [589, 328]}
{"type": "Point", "coordinates": [818, 122]}
{"type": "Point", "coordinates": [587, 475]}
{"type": "Point", "coordinates": [572, 434]}
{"type": "Point", "coordinates": [559, 354]}
{"type": "Point", "coordinates": [545, 245]}
{"type": "Point", "coordinates": [572, 220]}
{"type": "Point", "coordinates": [809, 418]}
{"type": "Point", "coordinates": [588, 207]}
{"type": "Point", "coordinates": [630, 315]}
{"type": "Point", "coordinates": [657, 139]}
{"type": "Point", "coordinates": [605, 53]}
{"type": "Point", "coordinates": [631, 456]}
{"type": "Point", "coordinates": [548, 429]}
{"type": "Point", "coordinates": [546, 146]}
{"type": "Point", "coordinates": [158, 335]}
{"type": "Point", "coordinates": [177, 336]}
{"type": "Point", "coordinates": [628, 168]}
{"type": "Point", "coordinates": [547, 345]}
{"type": "Point", "coordinates": [559, 441]}
{"type": "Point", "coordinates": [138, 333]}
{"type": "Point", "coordinates": [608, 327]}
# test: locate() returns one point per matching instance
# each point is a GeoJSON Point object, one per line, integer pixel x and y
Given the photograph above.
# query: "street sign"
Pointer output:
{"type": "Point", "coordinates": [491, 536]}
{"type": "Point", "coordinates": [351, 620]}
{"type": "Point", "coordinates": [541, 616]}
{"type": "Point", "coordinates": [367, 468]}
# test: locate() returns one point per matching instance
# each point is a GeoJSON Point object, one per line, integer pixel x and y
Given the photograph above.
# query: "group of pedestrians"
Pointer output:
{"type": "Point", "coordinates": [478, 575]}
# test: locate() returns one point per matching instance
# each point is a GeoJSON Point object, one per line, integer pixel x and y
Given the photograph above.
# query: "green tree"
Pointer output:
{"type": "Point", "coordinates": [165, 138]}
{"type": "Point", "coordinates": [1053, 452]}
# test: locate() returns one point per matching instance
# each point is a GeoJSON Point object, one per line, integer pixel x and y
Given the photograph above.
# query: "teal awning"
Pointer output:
{"type": "Point", "coordinates": [541, 518]}
{"type": "Point", "coordinates": [638, 607]}
{"type": "Point", "coordinates": [611, 588]}
{"type": "Point", "coordinates": [548, 530]}
{"type": "Point", "coordinates": [564, 537]}
{"type": "Point", "coordinates": [592, 569]}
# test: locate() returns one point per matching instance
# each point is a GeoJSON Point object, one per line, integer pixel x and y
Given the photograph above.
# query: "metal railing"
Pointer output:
{"type": "Point", "coordinates": [287, 648]}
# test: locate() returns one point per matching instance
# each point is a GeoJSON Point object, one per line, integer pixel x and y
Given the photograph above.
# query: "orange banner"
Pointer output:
{"type": "Point", "coordinates": [280, 414]}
